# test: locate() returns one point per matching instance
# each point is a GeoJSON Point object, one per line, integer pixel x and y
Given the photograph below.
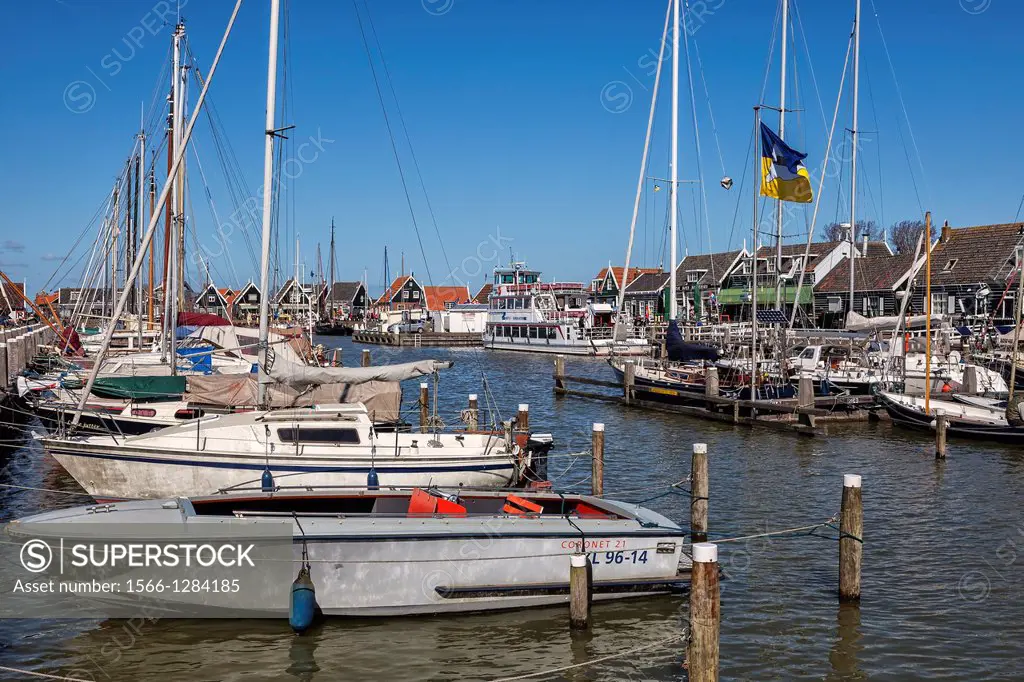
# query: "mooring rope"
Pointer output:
{"type": "Point", "coordinates": [594, 661]}
{"type": "Point", "coordinates": [43, 675]}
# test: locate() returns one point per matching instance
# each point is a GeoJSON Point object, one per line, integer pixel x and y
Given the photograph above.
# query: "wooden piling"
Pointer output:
{"type": "Point", "coordinates": [699, 493]}
{"type": "Point", "coordinates": [941, 423]}
{"type": "Point", "coordinates": [523, 417]}
{"type": "Point", "coordinates": [4, 377]}
{"type": "Point", "coordinates": [628, 380]}
{"type": "Point", "coordinates": [711, 385]}
{"type": "Point", "coordinates": [597, 461]}
{"type": "Point", "coordinates": [851, 532]}
{"type": "Point", "coordinates": [705, 614]}
{"type": "Point", "coordinates": [366, 360]}
{"type": "Point", "coordinates": [805, 398]}
{"type": "Point", "coordinates": [580, 591]}
{"type": "Point", "coordinates": [559, 372]}
{"type": "Point", "coordinates": [473, 422]}
{"type": "Point", "coordinates": [424, 407]}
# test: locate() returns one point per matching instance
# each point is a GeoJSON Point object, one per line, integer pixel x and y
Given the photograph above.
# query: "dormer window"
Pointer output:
{"type": "Point", "coordinates": [950, 264]}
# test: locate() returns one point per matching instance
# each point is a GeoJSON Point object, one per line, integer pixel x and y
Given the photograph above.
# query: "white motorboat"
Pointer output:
{"type": "Point", "coordinates": [326, 445]}
{"type": "Point", "coordinates": [395, 552]}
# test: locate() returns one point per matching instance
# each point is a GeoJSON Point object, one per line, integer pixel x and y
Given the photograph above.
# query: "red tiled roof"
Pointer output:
{"type": "Point", "coordinates": [393, 290]}
{"type": "Point", "coordinates": [633, 273]}
{"type": "Point", "coordinates": [483, 295]}
{"type": "Point", "coordinates": [227, 294]}
{"type": "Point", "coordinates": [437, 297]}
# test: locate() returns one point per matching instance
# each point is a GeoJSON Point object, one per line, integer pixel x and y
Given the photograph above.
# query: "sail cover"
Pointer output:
{"type": "Point", "coordinates": [300, 376]}
{"type": "Point", "coordinates": [681, 351]}
{"type": "Point", "coordinates": [383, 399]}
{"type": "Point", "coordinates": [856, 322]}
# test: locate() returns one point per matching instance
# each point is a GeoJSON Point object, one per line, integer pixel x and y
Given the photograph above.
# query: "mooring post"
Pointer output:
{"type": "Point", "coordinates": [711, 385]}
{"type": "Point", "coordinates": [366, 361]}
{"type": "Point", "coordinates": [699, 493]}
{"type": "Point", "coordinates": [941, 422]}
{"type": "Point", "coordinates": [597, 461]}
{"type": "Point", "coordinates": [4, 377]}
{"type": "Point", "coordinates": [580, 592]}
{"type": "Point", "coordinates": [705, 614]}
{"type": "Point", "coordinates": [559, 373]}
{"type": "Point", "coordinates": [424, 407]}
{"type": "Point", "coordinates": [523, 417]}
{"type": "Point", "coordinates": [473, 422]}
{"type": "Point", "coordinates": [735, 411]}
{"type": "Point", "coordinates": [851, 533]}
{"type": "Point", "coordinates": [628, 379]}
{"type": "Point", "coordinates": [805, 398]}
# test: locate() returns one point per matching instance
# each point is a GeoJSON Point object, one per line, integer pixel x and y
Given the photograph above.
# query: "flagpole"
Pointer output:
{"type": "Point", "coordinates": [674, 198]}
{"type": "Point", "coordinates": [853, 151]}
{"type": "Point", "coordinates": [782, 134]}
{"type": "Point", "coordinates": [753, 257]}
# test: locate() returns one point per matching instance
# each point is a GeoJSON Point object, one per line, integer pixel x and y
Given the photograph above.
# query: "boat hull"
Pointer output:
{"type": "Point", "coordinates": [908, 417]}
{"type": "Point", "coordinates": [119, 471]}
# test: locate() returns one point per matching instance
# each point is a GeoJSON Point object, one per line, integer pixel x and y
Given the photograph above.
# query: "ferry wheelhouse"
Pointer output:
{"type": "Point", "coordinates": [527, 315]}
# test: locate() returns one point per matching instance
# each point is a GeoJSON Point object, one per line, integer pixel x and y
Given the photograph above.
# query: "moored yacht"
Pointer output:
{"type": "Point", "coordinates": [327, 445]}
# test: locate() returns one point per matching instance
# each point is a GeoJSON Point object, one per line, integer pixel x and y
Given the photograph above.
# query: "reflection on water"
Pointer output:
{"type": "Point", "coordinates": [845, 665]}
{"type": "Point", "coordinates": [942, 589]}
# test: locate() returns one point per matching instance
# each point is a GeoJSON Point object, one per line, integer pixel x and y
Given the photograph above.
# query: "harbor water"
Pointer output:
{"type": "Point", "coordinates": [942, 580]}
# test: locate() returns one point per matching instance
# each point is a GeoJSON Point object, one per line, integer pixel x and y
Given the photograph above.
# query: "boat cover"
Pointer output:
{"type": "Point", "coordinates": [383, 399]}
{"type": "Point", "coordinates": [139, 387]}
{"type": "Point", "coordinates": [856, 322]}
{"type": "Point", "coordinates": [187, 319]}
{"type": "Point", "coordinates": [681, 351]}
{"type": "Point", "coordinates": [300, 376]}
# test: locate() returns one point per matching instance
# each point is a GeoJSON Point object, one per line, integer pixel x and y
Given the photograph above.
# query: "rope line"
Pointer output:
{"type": "Point", "coordinates": [46, 676]}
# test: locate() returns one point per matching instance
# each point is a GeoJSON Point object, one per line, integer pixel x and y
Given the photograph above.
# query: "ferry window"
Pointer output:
{"type": "Point", "coordinates": [501, 304]}
{"type": "Point", "coordinates": [507, 279]}
{"type": "Point", "coordinates": [533, 332]}
{"type": "Point", "coordinates": [515, 332]}
{"type": "Point", "coordinates": [551, 333]}
{"type": "Point", "coordinates": [318, 435]}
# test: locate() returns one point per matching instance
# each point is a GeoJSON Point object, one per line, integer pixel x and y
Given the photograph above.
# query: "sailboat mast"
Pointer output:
{"type": "Point", "coordinates": [853, 150]}
{"type": "Point", "coordinates": [268, 179]}
{"type": "Point", "coordinates": [182, 82]}
{"type": "Point", "coordinates": [165, 277]}
{"type": "Point", "coordinates": [330, 312]}
{"type": "Point", "coordinates": [753, 258]}
{"type": "Point", "coordinates": [171, 286]}
{"type": "Point", "coordinates": [115, 227]}
{"type": "Point", "coordinates": [927, 316]}
{"type": "Point", "coordinates": [674, 196]}
{"type": "Point", "coordinates": [140, 215]}
{"type": "Point", "coordinates": [782, 134]}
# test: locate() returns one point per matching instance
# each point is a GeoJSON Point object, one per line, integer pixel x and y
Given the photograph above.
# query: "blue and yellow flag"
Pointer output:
{"type": "Point", "coordinates": [783, 175]}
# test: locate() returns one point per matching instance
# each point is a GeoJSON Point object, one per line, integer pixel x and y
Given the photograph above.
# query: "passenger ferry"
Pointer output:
{"type": "Point", "coordinates": [527, 315]}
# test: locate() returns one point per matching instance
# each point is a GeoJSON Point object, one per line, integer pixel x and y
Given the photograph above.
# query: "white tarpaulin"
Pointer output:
{"type": "Point", "coordinates": [383, 399]}
{"type": "Point", "coordinates": [856, 322]}
{"type": "Point", "coordinates": [300, 376]}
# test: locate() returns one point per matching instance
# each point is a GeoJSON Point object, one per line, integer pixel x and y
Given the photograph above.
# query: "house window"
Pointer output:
{"type": "Point", "coordinates": [940, 304]}
{"type": "Point", "coordinates": [73, 295]}
{"type": "Point", "coordinates": [405, 294]}
{"type": "Point", "coordinates": [416, 294]}
{"type": "Point", "coordinates": [251, 297]}
{"type": "Point", "coordinates": [211, 298]}
{"type": "Point", "coordinates": [692, 277]}
{"type": "Point", "coordinates": [950, 264]}
{"type": "Point", "coordinates": [835, 304]}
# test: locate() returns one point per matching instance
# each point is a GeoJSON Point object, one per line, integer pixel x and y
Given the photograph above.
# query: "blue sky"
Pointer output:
{"type": "Point", "coordinates": [527, 119]}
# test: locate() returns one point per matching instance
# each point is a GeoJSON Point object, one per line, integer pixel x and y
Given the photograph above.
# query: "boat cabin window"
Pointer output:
{"type": "Point", "coordinates": [808, 354]}
{"type": "Point", "coordinates": [515, 332]}
{"type": "Point", "coordinates": [500, 304]}
{"type": "Point", "coordinates": [533, 332]}
{"type": "Point", "coordinates": [306, 434]}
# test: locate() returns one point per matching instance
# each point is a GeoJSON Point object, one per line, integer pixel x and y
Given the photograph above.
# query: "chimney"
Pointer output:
{"type": "Point", "coordinates": [864, 251]}
{"type": "Point", "coordinates": [947, 232]}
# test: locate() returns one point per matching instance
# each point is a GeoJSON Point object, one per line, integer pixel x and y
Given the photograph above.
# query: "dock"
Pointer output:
{"type": "Point", "coordinates": [422, 339]}
{"type": "Point", "coordinates": [804, 415]}
{"type": "Point", "coordinates": [18, 345]}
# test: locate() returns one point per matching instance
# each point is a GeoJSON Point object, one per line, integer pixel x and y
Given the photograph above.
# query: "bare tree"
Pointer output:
{"type": "Point", "coordinates": [837, 232]}
{"type": "Point", "coordinates": [904, 235]}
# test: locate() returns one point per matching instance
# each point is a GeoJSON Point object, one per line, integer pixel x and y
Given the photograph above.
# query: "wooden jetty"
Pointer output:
{"type": "Point", "coordinates": [418, 340]}
{"type": "Point", "coordinates": [804, 415]}
{"type": "Point", "coordinates": [18, 345]}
